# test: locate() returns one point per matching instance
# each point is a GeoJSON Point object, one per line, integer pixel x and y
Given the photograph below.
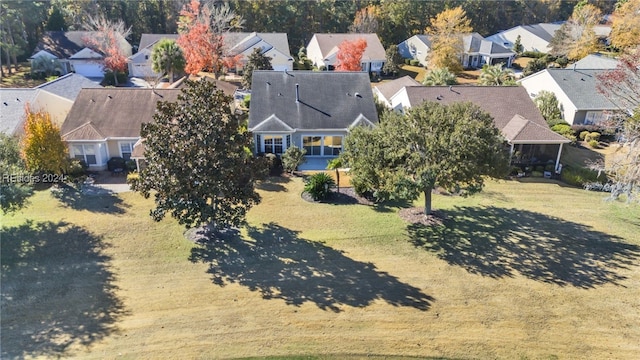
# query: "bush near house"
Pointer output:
{"type": "Point", "coordinates": [319, 186]}
{"type": "Point", "coordinates": [578, 176]}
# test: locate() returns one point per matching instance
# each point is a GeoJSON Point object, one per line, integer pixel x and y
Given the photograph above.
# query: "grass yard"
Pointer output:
{"type": "Point", "coordinates": [17, 78]}
{"type": "Point", "coordinates": [526, 270]}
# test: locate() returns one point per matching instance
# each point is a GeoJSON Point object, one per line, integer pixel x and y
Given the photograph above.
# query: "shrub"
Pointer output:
{"type": "Point", "coordinates": [322, 68]}
{"type": "Point", "coordinates": [132, 179]}
{"type": "Point", "coordinates": [594, 136]}
{"type": "Point", "coordinates": [109, 81]}
{"type": "Point", "coordinates": [130, 165]}
{"type": "Point", "coordinates": [533, 54]}
{"type": "Point", "coordinates": [274, 164]}
{"type": "Point", "coordinates": [583, 135]}
{"type": "Point", "coordinates": [594, 144]}
{"type": "Point", "coordinates": [565, 130]}
{"type": "Point", "coordinates": [292, 158]}
{"type": "Point", "coordinates": [534, 66]}
{"type": "Point", "coordinates": [562, 61]}
{"type": "Point", "coordinates": [319, 185]}
{"type": "Point", "coordinates": [407, 61]}
{"type": "Point", "coordinates": [414, 62]}
{"type": "Point", "coordinates": [536, 173]}
{"type": "Point", "coordinates": [578, 176]}
{"type": "Point", "coordinates": [76, 171]}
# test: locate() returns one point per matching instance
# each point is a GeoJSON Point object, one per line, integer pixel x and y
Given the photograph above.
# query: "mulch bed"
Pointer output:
{"type": "Point", "coordinates": [346, 196]}
{"type": "Point", "coordinates": [413, 215]}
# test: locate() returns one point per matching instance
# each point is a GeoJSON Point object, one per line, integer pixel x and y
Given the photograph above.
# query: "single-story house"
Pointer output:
{"type": "Point", "coordinates": [477, 51]}
{"type": "Point", "coordinates": [416, 47]}
{"type": "Point", "coordinates": [73, 52]}
{"type": "Point", "coordinates": [322, 50]}
{"type": "Point", "coordinates": [384, 91]}
{"type": "Point", "coordinates": [55, 97]}
{"type": "Point", "coordinates": [273, 45]}
{"type": "Point", "coordinates": [534, 37]}
{"type": "Point", "coordinates": [525, 130]}
{"type": "Point", "coordinates": [309, 109]}
{"type": "Point", "coordinates": [576, 91]}
{"type": "Point", "coordinates": [105, 123]}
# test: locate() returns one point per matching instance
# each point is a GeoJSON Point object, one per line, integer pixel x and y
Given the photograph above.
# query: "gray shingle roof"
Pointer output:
{"type": "Point", "coordinates": [112, 112]}
{"type": "Point", "coordinates": [581, 88]}
{"type": "Point", "coordinates": [63, 44]}
{"type": "Point", "coordinates": [231, 39]}
{"type": "Point", "coordinates": [328, 100]}
{"type": "Point", "coordinates": [595, 61]}
{"type": "Point", "coordinates": [69, 86]}
{"type": "Point", "coordinates": [147, 40]}
{"type": "Point", "coordinates": [12, 103]}
{"type": "Point", "coordinates": [390, 88]}
{"type": "Point", "coordinates": [544, 31]}
{"type": "Point", "coordinates": [504, 103]}
{"type": "Point", "coordinates": [328, 44]}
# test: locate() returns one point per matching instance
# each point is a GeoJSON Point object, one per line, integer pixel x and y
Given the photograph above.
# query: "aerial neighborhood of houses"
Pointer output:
{"type": "Point", "coordinates": [322, 179]}
{"type": "Point", "coordinates": [314, 108]}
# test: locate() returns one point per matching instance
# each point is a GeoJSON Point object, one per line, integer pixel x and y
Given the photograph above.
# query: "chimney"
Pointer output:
{"type": "Point", "coordinates": [297, 93]}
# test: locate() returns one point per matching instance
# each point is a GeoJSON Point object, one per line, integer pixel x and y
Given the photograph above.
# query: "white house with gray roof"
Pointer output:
{"type": "Point", "coordinates": [272, 45]}
{"type": "Point", "coordinates": [576, 91]}
{"type": "Point", "coordinates": [534, 37]}
{"type": "Point", "coordinates": [55, 97]}
{"type": "Point", "coordinates": [309, 109]}
{"type": "Point", "coordinates": [322, 50]}
{"type": "Point", "coordinates": [477, 51]}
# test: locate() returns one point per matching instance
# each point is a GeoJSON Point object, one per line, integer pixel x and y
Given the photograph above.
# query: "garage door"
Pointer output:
{"type": "Point", "coordinates": [89, 69]}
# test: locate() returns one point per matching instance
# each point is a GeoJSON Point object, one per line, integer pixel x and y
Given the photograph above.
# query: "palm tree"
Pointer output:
{"type": "Point", "coordinates": [335, 164]}
{"type": "Point", "coordinates": [439, 76]}
{"type": "Point", "coordinates": [167, 58]}
{"type": "Point", "coordinates": [496, 75]}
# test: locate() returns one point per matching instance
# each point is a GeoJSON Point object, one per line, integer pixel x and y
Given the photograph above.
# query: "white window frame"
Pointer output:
{"type": "Point", "coordinates": [322, 144]}
{"type": "Point", "coordinates": [263, 143]}
{"type": "Point", "coordinates": [130, 143]}
{"type": "Point", "coordinates": [83, 155]}
{"type": "Point", "coordinates": [595, 117]}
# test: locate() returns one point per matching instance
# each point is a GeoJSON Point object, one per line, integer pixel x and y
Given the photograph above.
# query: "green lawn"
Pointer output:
{"type": "Point", "coordinates": [527, 269]}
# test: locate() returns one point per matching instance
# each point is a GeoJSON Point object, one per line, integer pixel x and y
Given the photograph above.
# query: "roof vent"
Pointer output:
{"type": "Point", "coordinates": [268, 83]}
{"type": "Point", "coordinates": [450, 88]}
{"type": "Point", "coordinates": [18, 100]}
{"type": "Point", "coordinates": [5, 103]}
{"type": "Point", "coordinates": [297, 93]}
{"type": "Point", "coordinates": [358, 95]}
{"type": "Point", "coordinates": [110, 97]}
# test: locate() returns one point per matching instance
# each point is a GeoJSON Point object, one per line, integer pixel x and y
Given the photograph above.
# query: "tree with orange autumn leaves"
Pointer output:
{"type": "Point", "coordinates": [43, 149]}
{"type": "Point", "coordinates": [202, 30]}
{"type": "Point", "coordinates": [350, 55]}
{"type": "Point", "coordinates": [106, 37]}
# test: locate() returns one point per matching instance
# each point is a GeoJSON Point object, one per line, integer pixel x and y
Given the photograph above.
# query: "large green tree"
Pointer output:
{"type": "Point", "coordinates": [393, 60]}
{"type": "Point", "coordinates": [167, 58]}
{"type": "Point", "coordinates": [549, 107]}
{"type": "Point", "coordinates": [449, 146]}
{"type": "Point", "coordinates": [256, 61]}
{"type": "Point", "coordinates": [199, 167]}
{"type": "Point", "coordinates": [15, 186]}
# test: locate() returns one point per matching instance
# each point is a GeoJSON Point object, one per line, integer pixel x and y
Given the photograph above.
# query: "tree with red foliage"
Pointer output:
{"type": "Point", "coordinates": [622, 84]}
{"type": "Point", "coordinates": [106, 37]}
{"type": "Point", "coordinates": [350, 55]}
{"type": "Point", "coordinates": [202, 30]}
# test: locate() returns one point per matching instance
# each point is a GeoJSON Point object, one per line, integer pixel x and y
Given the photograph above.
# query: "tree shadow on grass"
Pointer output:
{"type": "Point", "coordinates": [280, 265]}
{"type": "Point", "coordinates": [499, 242]}
{"type": "Point", "coordinates": [93, 199]}
{"type": "Point", "coordinates": [57, 290]}
{"type": "Point", "coordinates": [274, 183]}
